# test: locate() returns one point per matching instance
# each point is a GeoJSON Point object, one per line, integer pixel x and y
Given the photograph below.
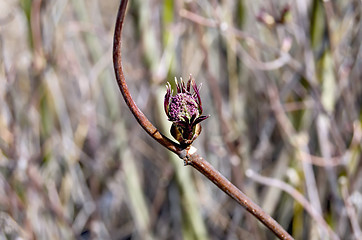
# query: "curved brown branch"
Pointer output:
{"type": "Point", "coordinates": [230, 189]}
{"type": "Point", "coordinates": [189, 156]}
{"type": "Point", "coordinates": [141, 118]}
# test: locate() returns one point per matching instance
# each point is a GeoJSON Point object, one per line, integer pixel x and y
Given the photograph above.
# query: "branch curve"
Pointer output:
{"type": "Point", "coordinates": [138, 114]}
{"type": "Point", "coordinates": [190, 157]}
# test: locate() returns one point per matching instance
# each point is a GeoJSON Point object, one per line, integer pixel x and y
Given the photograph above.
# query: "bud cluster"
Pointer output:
{"type": "Point", "coordinates": [184, 111]}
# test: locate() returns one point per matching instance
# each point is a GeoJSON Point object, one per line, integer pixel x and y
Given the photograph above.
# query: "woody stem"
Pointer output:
{"type": "Point", "coordinates": [194, 159]}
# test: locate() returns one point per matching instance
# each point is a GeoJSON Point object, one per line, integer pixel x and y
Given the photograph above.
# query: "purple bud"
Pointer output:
{"type": "Point", "coordinates": [184, 110]}
{"type": "Point", "coordinates": [182, 107]}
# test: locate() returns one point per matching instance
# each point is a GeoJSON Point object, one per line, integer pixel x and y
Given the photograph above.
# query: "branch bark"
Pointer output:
{"type": "Point", "coordinates": [138, 114]}
{"type": "Point", "coordinates": [188, 155]}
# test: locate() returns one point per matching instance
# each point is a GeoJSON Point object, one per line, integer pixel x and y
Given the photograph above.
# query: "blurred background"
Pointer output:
{"type": "Point", "coordinates": [281, 81]}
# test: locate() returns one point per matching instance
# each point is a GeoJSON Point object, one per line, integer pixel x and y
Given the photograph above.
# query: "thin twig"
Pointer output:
{"type": "Point", "coordinates": [224, 184]}
{"type": "Point", "coordinates": [189, 156]}
{"type": "Point", "coordinates": [283, 59]}
{"type": "Point", "coordinates": [351, 212]}
{"type": "Point", "coordinates": [141, 118]}
{"type": "Point", "coordinates": [297, 197]}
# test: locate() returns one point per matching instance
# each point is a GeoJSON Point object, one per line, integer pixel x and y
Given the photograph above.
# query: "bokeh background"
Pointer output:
{"type": "Point", "coordinates": [281, 81]}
